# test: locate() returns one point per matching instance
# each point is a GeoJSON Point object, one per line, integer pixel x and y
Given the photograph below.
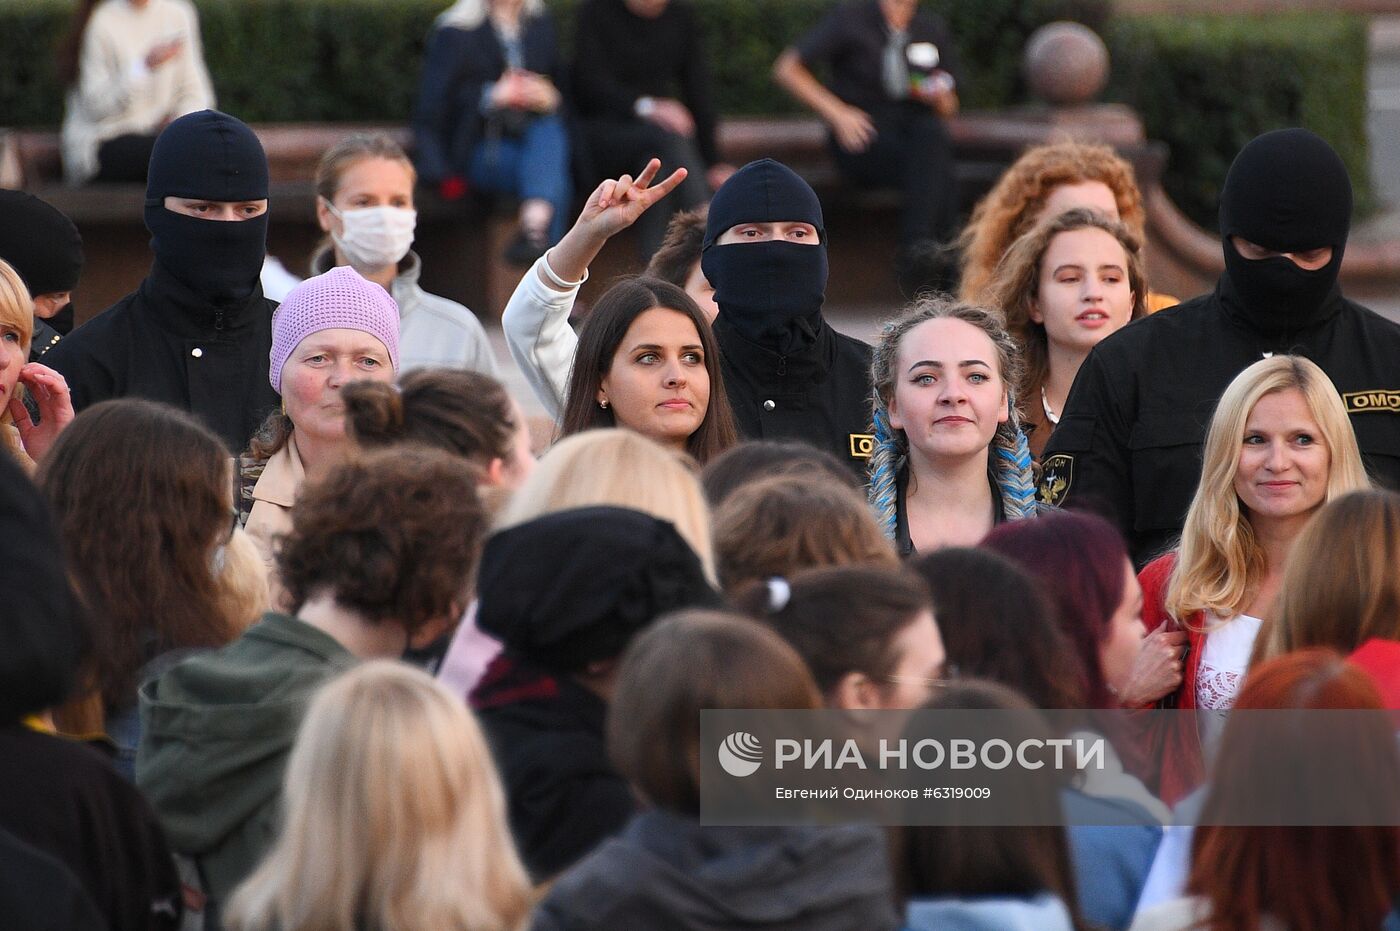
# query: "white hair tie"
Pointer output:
{"type": "Point", "coordinates": [779, 594]}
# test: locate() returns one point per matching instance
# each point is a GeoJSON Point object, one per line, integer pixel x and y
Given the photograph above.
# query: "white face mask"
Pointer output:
{"type": "Point", "coordinates": [374, 237]}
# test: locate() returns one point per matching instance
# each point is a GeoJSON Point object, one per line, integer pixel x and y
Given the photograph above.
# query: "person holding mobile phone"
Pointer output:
{"type": "Point", "coordinates": [894, 83]}
{"type": "Point", "coordinates": [130, 67]}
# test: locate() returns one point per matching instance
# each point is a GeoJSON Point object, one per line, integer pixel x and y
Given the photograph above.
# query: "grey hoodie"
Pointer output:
{"type": "Point", "coordinates": [668, 871]}
{"type": "Point", "coordinates": [216, 733]}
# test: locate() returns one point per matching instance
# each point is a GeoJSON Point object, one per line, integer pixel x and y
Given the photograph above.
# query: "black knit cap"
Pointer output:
{"type": "Point", "coordinates": [764, 191]}
{"type": "Point", "coordinates": [573, 587]}
{"type": "Point", "coordinates": [40, 623]}
{"type": "Point", "coordinates": [40, 243]}
{"type": "Point", "coordinates": [210, 155]}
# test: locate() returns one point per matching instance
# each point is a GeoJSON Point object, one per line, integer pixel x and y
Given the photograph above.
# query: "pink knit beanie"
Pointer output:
{"type": "Point", "coordinates": [338, 300]}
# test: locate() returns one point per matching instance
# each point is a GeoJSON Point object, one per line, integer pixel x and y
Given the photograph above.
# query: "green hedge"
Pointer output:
{"type": "Point", "coordinates": [327, 60]}
{"type": "Point", "coordinates": [1207, 85]}
{"type": "Point", "coordinates": [1204, 85]}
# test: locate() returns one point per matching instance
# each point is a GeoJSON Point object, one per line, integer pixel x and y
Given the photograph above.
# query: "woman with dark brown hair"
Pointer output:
{"type": "Point", "coordinates": [377, 559]}
{"type": "Point", "coordinates": [143, 496]}
{"type": "Point", "coordinates": [866, 632]}
{"type": "Point", "coordinates": [1282, 873]}
{"type": "Point", "coordinates": [646, 360]}
{"type": "Point", "coordinates": [461, 412]}
{"type": "Point", "coordinates": [1003, 876]}
{"type": "Point", "coordinates": [667, 870]}
{"type": "Point", "coordinates": [783, 524]}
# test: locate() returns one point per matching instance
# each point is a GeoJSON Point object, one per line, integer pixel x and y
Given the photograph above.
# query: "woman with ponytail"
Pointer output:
{"type": "Point", "coordinates": [950, 461]}
{"type": "Point", "coordinates": [461, 412]}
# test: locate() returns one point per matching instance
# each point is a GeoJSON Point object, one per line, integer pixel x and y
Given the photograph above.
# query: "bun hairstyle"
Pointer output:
{"type": "Point", "coordinates": [464, 413]}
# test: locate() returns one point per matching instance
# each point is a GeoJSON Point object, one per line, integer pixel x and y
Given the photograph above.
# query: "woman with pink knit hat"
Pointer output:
{"type": "Point", "coordinates": [330, 330]}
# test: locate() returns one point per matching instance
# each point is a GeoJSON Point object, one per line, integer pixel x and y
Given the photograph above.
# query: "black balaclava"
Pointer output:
{"type": "Point", "coordinates": [42, 244]}
{"type": "Point", "coordinates": [211, 156]}
{"type": "Point", "coordinates": [1287, 191]}
{"type": "Point", "coordinates": [770, 292]}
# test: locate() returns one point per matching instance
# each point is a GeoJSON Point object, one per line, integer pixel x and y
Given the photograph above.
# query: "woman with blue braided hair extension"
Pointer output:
{"type": "Point", "coordinates": [950, 459]}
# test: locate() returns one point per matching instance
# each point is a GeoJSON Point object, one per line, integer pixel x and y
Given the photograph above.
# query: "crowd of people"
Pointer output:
{"type": "Point", "coordinates": [306, 630]}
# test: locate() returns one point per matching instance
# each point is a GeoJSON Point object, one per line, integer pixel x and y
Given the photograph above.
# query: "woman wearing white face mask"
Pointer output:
{"type": "Point", "coordinates": [364, 187]}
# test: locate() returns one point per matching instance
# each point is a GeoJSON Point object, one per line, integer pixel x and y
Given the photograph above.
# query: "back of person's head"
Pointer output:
{"type": "Point", "coordinates": [143, 497]}
{"type": "Point", "coordinates": [41, 624]}
{"type": "Point", "coordinates": [1221, 559]}
{"type": "Point", "coordinates": [41, 243]}
{"type": "Point", "coordinates": [781, 525]}
{"type": "Point", "coordinates": [680, 250]}
{"type": "Point", "coordinates": [1341, 584]}
{"type": "Point", "coordinates": [392, 535]}
{"type": "Point", "coordinates": [1016, 202]}
{"type": "Point", "coordinates": [973, 861]}
{"type": "Point", "coordinates": [998, 623]}
{"type": "Point", "coordinates": [394, 817]}
{"type": "Point", "coordinates": [1082, 563]}
{"type": "Point", "coordinates": [690, 662]}
{"type": "Point", "coordinates": [244, 593]}
{"type": "Point", "coordinates": [847, 623]}
{"type": "Point", "coordinates": [621, 468]}
{"type": "Point", "coordinates": [458, 411]}
{"type": "Point", "coordinates": [1248, 872]}
{"type": "Point", "coordinates": [568, 590]}
{"type": "Point", "coordinates": [754, 460]}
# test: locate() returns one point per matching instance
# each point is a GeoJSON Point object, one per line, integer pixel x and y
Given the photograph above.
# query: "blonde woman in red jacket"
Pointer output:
{"type": "Point", "coordinates": [1278, 446]}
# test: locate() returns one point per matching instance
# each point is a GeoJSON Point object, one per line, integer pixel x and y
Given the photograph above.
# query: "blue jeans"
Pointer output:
{"type": "Point", "coordinates": [535, 165]}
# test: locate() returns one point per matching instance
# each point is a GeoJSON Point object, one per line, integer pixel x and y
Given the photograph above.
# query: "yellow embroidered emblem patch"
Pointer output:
{"type": "Point", "coordinates": [1056, 477]}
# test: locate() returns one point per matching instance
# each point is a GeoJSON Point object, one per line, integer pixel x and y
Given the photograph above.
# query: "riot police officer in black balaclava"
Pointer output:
{"type": "Point", "coordinates": [789, 375]}
{"type": "Point", "coordinates": [196, 333]}
{"type": "Point", "coordinates": [1129, 442]}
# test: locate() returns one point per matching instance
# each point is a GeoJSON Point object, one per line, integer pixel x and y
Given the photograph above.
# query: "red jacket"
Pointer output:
{"type": "Point", "coordinates": [1172, 739]}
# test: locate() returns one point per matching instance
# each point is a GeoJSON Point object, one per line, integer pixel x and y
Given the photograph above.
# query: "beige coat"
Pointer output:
{"type": "Point", "coordinates": [271, 516]}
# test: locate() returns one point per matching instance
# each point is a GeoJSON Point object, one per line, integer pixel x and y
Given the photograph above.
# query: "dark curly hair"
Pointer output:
{"type": "Point", "coordinates": [393, 534]}
{"type": "Point", "coordinates": [462, 412]}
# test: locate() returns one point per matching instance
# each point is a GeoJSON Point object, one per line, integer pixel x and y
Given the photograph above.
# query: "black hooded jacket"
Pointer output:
{"type": "Point", "coordinates": [1130, 440]}
{"type": "Point", "coordinates": [165, 343]}
{"type": "Point", "coordinates": [1131, 437]}
{"type": "Point", "coordinates": [197, 333]}
{"type": "Point", "coordinates": [788, 374]}
{"type": "Point", "coordinates": [819, 394]}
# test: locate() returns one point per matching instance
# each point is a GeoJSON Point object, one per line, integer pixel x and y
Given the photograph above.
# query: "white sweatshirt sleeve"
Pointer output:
{"type": "Point", "coordinates": [536, 325]}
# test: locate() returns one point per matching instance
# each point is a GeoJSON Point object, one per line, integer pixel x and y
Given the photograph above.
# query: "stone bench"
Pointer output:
{"type": "Point", "coordinates": [461, 243]}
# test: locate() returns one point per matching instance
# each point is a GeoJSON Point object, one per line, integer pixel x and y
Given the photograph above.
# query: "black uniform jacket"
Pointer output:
{"type": "Point", "coordinates": [165, 343]}
{"type": "Point", "coordinates": [820, 395]}
{"type": "Point", "coordinates": [1129, 443]}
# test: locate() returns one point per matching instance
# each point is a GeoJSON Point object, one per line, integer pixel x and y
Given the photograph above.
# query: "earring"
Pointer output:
{"type": "Point", "coordinates": [603, 404]}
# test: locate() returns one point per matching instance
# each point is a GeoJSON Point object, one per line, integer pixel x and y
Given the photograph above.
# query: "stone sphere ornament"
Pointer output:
{"type": "Point", "coordinates": [1066, 64]}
